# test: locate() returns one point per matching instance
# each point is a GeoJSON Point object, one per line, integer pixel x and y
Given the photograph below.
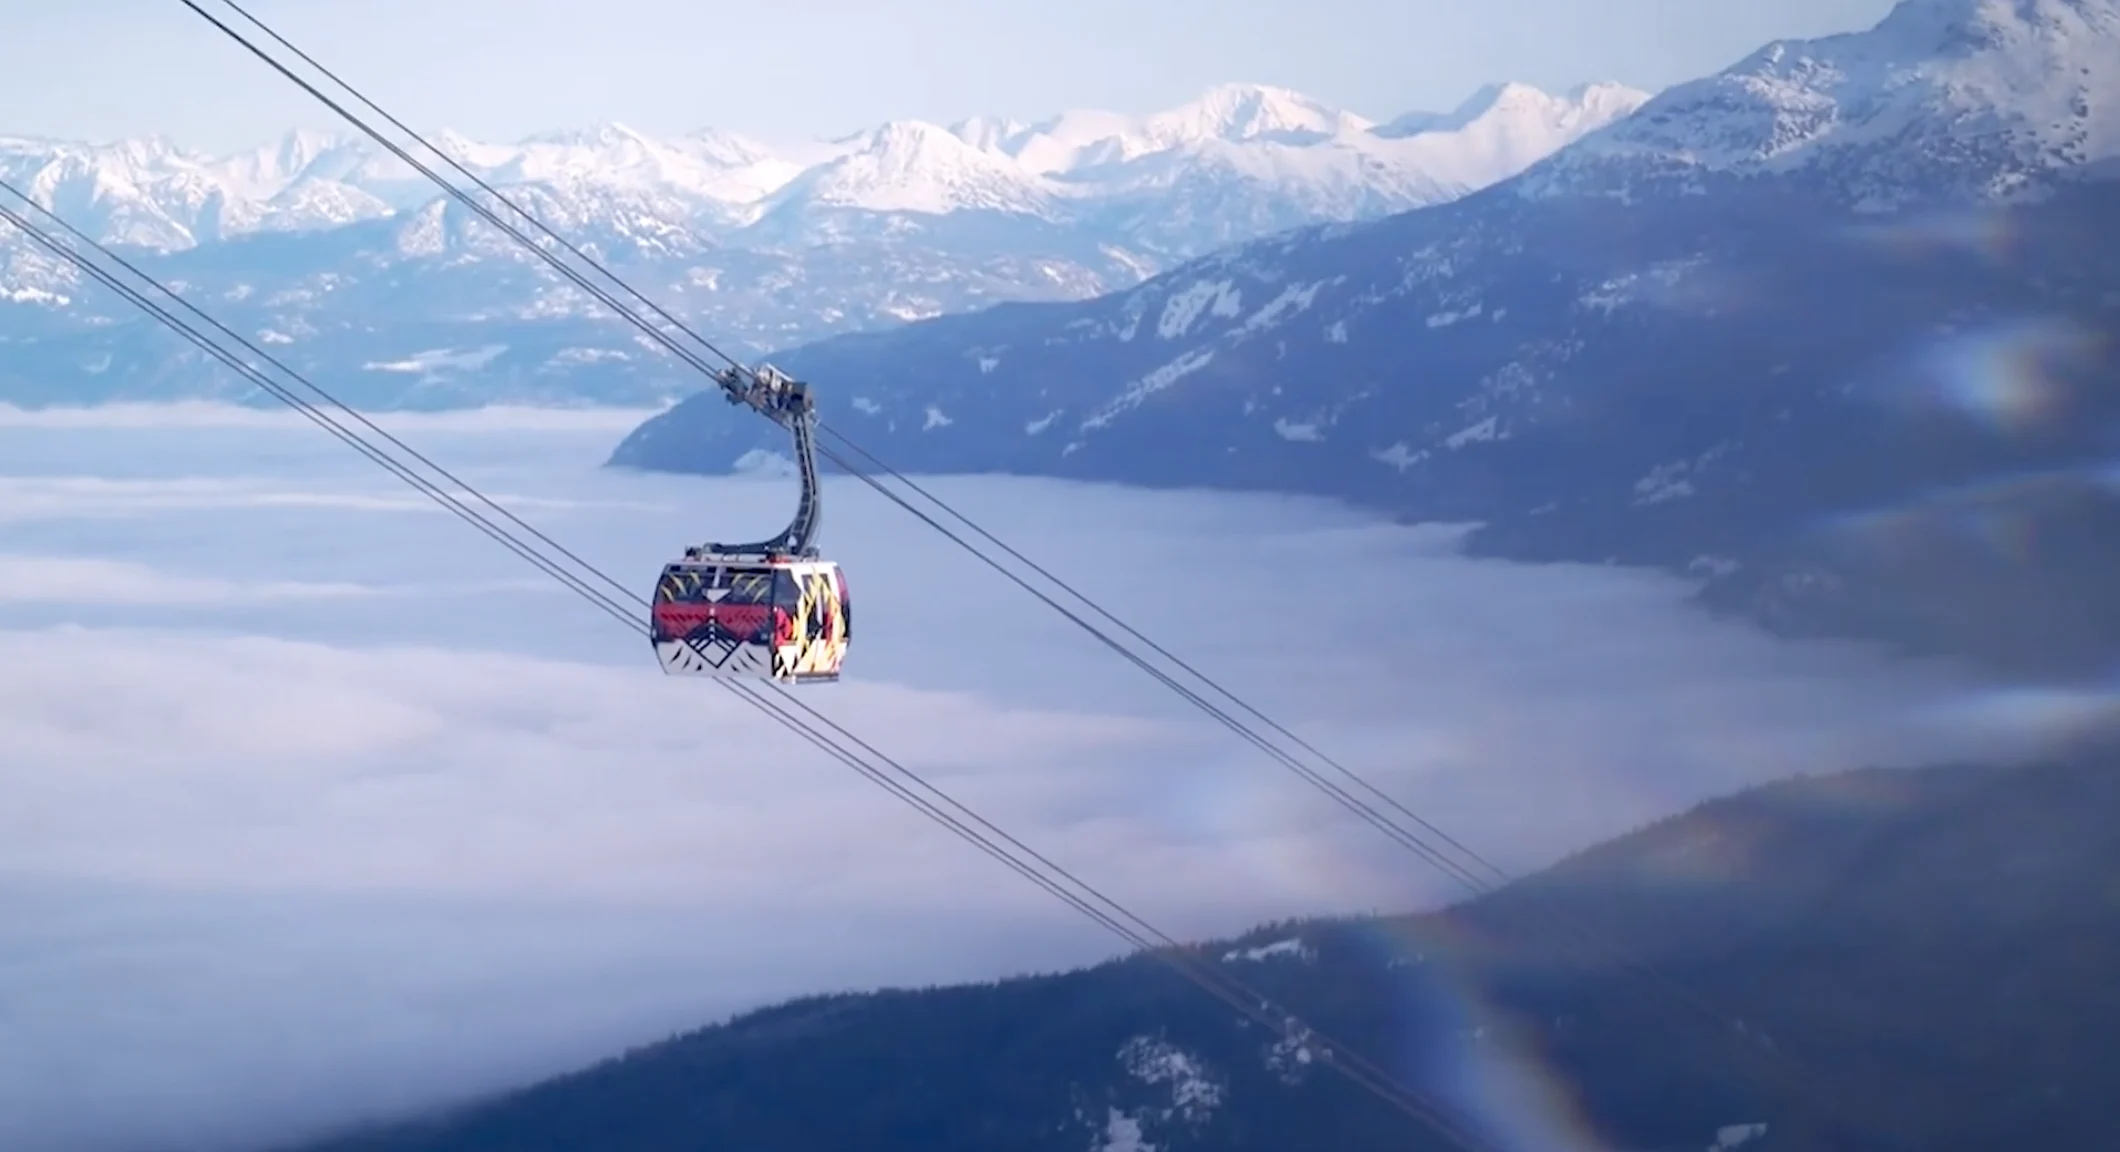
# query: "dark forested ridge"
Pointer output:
{"type": "Point", "coordinates": [1888, 960]}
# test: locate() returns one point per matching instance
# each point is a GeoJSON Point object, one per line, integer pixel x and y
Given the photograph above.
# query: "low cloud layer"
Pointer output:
{"type": "Point", "coordinates": [191, 415]}
{"type": "Point", "coordinates": [73, 580]}
{"type": "Point", "coordinates": [313, 808]}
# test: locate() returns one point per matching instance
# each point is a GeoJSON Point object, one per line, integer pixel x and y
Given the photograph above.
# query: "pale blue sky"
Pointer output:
{"type": "Point", "coordinates": [781, 69]}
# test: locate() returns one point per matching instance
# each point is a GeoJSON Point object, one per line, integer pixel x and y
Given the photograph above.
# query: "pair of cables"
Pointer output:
{"type": "Point", "coordinates": [777, 702]}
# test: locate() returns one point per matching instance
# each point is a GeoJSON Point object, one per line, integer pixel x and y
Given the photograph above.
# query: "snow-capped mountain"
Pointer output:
{"type": "Point", "coordinates": [1745, 377]}
{"type": "Point", "coordinates": [151, 194]}
{"type": "Point", "coordinates": [1942, 101]}
{"type": "Point", "coordinates": [908, 166]}
{"type": "Point", "coordinates": [333, 245]}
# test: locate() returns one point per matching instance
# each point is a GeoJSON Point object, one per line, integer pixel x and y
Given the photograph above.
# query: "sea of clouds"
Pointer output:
{"type": "Point", "coordinates": [315, 804]}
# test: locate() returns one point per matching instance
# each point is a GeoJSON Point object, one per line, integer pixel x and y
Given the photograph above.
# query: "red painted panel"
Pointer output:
{"type": "Point", "coordinates": [674, 621]}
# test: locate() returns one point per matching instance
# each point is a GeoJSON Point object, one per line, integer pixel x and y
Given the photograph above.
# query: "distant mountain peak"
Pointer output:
{"type": "Point", "coordinates": [1601, 102]}
{"type": "Point", "coordinates": [607, 134]}
{"type": "Point", "coordinates": [915, 166]}
{"type": "Point", "coordinates": [729, 149]}
{"type": "Point", "coordinates": [1607, 96]}
{"type": "Point", "coordinates": [454, 144]}
{"type": "Point", "coordinates": [1240, 112]}
{"type": "Point", "coordinates": [301, 147]}
{"type": "Point", "coordinates": [1504, 94]}
{"type": "Point", "coordinates": [988, 133]}
{"type": "Point", "coordinates": [910, 136]}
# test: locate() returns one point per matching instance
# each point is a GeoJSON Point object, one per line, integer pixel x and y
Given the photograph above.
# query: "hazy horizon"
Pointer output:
{"type": "Point", "coordinates": [108, 69]}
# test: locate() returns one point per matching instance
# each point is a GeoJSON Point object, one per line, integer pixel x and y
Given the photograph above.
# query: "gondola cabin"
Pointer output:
{"type": "Point", "coordinates": [776, 618]}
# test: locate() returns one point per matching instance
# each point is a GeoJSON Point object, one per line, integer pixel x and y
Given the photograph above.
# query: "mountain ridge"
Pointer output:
{"type": "Point", "coordinates": [1827, 922]}
{"type": "Point", "coordinates": [344, 259]}
{"type": "Point", "coordinates": [152, 175]}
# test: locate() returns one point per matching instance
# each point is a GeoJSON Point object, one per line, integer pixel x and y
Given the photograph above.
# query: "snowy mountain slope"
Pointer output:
{"type": "Point", "coordinates": [760, 246]}
{"type": "Point", "coordinates": [1226, 113]}
{"type": "Point", "coordinates": [908, 166]}
{"type": "Point", "coordinates": [1942, 100]}
{"type": "Point", "coordinates": [151, 194]}
{"type": "Point", "coordinates": [1518, 120]}
{"type": "Point", "coordinates": [1265, 173]}
{"type": "Point", "coordinates": [1746, 380]}
{"type": "Point", "coordinates": [715, 167]}
{"type": "Point", "coordinates": [908, 177]}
